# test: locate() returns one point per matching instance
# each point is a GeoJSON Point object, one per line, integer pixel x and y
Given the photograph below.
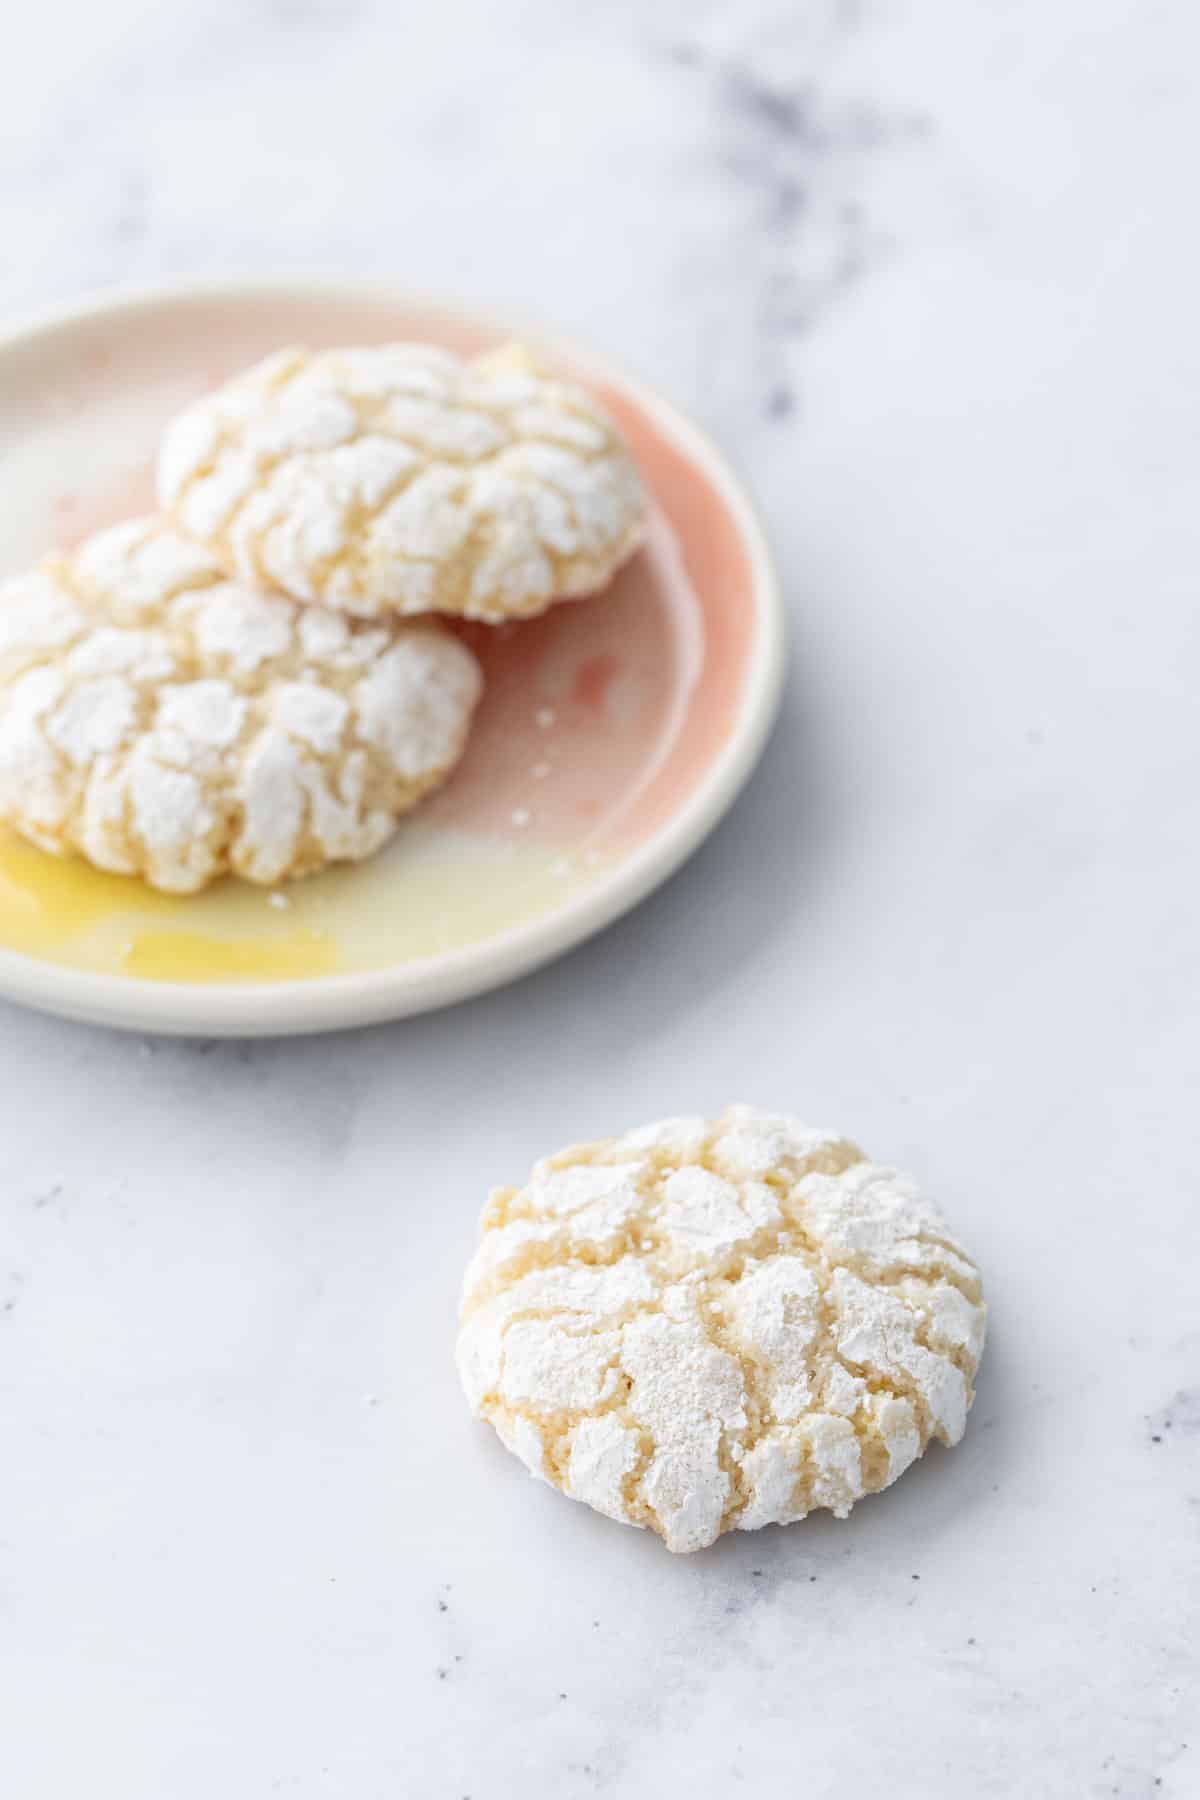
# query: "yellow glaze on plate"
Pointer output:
{"type": "Point", "coordinates": [454, 893]}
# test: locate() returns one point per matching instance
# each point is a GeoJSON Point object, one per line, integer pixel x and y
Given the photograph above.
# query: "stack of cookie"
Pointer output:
{"type": "Point", "coordinates": [256, 680]}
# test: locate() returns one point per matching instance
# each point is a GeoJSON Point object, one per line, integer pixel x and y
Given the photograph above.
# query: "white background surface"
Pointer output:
{"type": "Point", "coordinates": [929, 271]}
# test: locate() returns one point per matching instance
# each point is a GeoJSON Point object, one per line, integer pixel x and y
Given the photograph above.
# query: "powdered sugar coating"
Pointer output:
{"type": "Point", "coordinates": [401, 479]}
{"type": "Point", "coordinates": [166, 722]}
{"type": "Point", "coordinates": [707, 1326]}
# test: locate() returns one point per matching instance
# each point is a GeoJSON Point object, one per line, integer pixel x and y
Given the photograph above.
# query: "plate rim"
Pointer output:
{"type": "Point", "coordinates": [369, 997]}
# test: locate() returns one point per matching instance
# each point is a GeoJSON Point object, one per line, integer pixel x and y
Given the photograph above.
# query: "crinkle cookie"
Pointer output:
{"type": "Point", "coordinates": [710, 1326]}
{"type": "Point", "coordinates": [169, 723]}
{"type": "Point", "coordinates": [404, 480]}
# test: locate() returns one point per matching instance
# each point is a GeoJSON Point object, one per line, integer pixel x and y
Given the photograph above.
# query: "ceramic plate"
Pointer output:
{"type": "Point", "coordinates": [613, 733]}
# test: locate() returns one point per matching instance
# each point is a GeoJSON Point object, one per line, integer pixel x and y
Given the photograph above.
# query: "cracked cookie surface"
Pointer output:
{"type": "Point", "coordinates": [401, 479]}
{"type": "Point", "coordinates": [704, 1326]}
{"type": "Point", "coordinates": [166, 722]}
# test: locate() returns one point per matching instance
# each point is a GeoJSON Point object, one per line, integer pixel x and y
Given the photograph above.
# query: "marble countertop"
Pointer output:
{"type": "Point", "coordinates": [930, 274]}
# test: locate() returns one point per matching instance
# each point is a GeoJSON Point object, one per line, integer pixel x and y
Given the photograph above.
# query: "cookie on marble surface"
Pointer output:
{"type": "Point", "coordinates": [402, 479]}
{"type": "Point", "coordinates": [164, 721]}
{"type": "Point", "coordinates": [705, 1326]}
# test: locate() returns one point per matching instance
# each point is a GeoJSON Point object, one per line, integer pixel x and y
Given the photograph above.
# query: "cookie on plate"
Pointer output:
{"type": "Point", "coordinates": [164, 721]}
{"type": "Point", "coordinates": [706, 1326]}
{"type": "Point", "coordinates": [401, 479]}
